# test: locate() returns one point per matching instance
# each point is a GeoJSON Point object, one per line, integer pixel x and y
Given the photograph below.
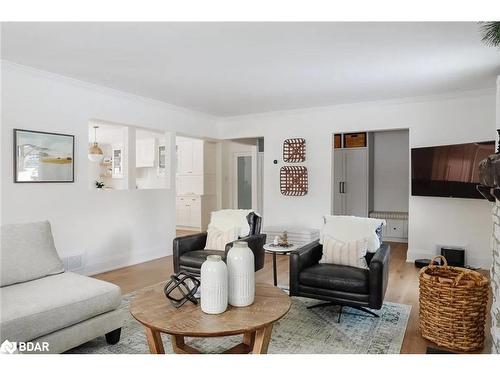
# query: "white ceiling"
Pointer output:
{"type": "Point", "coordinates": [237, 68]}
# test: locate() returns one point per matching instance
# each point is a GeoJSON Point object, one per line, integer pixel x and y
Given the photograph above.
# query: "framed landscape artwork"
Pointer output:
{"type": "Point", "coordinates": [43, 157]}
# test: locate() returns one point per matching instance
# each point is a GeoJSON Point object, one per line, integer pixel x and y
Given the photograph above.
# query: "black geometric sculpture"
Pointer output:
{"type": "Point", "coordinates": [178, 281]}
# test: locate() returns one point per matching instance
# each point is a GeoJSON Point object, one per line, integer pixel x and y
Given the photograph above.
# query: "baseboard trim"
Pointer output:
{"type": "Point", "coordinates": [476, 262]}
{"type": "Point", "coordinates": [395, 239]}
{"type": "Point", "coordinates": [119, 262]}
{"type": "Point", "coordinates": [192, 229]}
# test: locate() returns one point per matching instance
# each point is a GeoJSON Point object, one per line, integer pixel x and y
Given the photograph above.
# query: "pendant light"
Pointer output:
{"type": "Point", "coordinates": [95, 152]}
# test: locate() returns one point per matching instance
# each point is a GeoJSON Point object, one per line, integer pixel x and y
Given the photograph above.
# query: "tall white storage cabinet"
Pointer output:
{"type": "Point", "coordinates": [351, 180]}
{"type": "Point", "coordinates": [195, 182]}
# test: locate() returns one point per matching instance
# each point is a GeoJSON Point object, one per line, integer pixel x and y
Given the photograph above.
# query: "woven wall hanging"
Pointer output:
{"type": "Point", "coordinates": [294, 150]}
{"type": "Point", "coordinates": [293, 181]}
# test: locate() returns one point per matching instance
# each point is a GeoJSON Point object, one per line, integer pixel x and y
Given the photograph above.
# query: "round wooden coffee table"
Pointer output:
{"type": "Point", "coordinates": [255, 322]}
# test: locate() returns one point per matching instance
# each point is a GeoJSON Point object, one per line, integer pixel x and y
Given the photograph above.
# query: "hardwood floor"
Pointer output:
{"type": "Point", "coordinates": [403, 287]}
{"type": "Point", "coordinates": [185, 232]}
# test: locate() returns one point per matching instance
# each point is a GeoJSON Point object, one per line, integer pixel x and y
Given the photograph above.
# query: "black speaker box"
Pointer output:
{"type": "Point", "coordinates": [454, 257]}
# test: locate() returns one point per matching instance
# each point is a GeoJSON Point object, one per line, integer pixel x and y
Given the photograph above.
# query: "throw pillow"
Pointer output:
{"type": "Point", "coordinates": [350, 228]}
{"type": "Point", "coordinates": [349, 253]}
{"type": "Point", "coordinates": [217, 238]}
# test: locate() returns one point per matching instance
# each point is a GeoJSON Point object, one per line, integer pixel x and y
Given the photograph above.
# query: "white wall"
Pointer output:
{"type": "Point", "coordinates": [391, 170]}
{"type": "Point", "coordinates": [126, 227]}
{"type": "Point", "coordinates": [115, 228]}
{"type": "Point", "coordinates": [459, 118]}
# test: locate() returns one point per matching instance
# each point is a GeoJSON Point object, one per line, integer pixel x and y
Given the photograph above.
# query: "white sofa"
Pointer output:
{"type": "Point", "coordinates": [40, 302]}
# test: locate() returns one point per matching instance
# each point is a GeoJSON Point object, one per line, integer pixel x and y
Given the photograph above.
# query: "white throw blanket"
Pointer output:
{"type": "Point", "coordinates": [225, 220]}
{"type": "Point", "coordinates": [351, 228]}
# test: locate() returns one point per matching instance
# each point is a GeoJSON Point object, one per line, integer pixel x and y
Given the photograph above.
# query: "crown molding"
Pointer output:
{"type": "Point", "coordinates": [103, 89]}
{"type": "Point", "coordinates": [490, 91]}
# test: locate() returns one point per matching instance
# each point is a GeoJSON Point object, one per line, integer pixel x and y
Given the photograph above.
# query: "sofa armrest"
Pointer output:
{"type": "Point", "coordinates": [307, 256]}
{"type": "Point", "coordinates": [379, 275]}
{"type": "Point", "coordinates": [185, 244]}
{"type": "Point", "coordinates": [256, 244]}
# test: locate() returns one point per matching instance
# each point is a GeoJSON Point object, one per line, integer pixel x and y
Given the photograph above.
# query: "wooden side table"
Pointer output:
{"type": "Point", "coordinates": [254, 322]}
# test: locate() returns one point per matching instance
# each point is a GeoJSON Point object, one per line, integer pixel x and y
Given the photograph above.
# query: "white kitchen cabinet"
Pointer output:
{"type": "Point", "coordinates": [195, 182]}
{"type": "Point", "coordinates": [190, 154]}
{"type": "Point", "coordinates": [183, 213]}
{"type": "Point", "coordinates": [190, 184]}
{"type": "Point", "coordinates": [193, 212]}
{"type": "Point", "coordinates": [198, 158]}
{"type": "Point", "coordinates": [195, 167]}
{"type": "Point", "coordinates": [185, 157]}
{"type": "Point", "coordinates": [145, 153]}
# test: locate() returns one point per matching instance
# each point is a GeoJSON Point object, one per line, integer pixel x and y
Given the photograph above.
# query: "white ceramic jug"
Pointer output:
{"type": "Point", "coordinates": [241, 270]}
{"type": "Point", "coordinates": [214, 288]}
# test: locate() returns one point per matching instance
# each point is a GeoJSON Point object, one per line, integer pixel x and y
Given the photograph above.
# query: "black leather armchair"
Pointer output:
{"type": "Point", "coordinates": [189, 253]}
{"type": "Point", "coordinates": [339, 285]}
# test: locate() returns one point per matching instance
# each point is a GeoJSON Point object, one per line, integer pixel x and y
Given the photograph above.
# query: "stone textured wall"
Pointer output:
{"type": "Point", "coordinates": [495, 280]}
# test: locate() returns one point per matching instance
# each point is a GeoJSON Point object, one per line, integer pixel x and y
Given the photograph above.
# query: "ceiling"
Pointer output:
{"type": "Point", "coordinates": [227, 69]}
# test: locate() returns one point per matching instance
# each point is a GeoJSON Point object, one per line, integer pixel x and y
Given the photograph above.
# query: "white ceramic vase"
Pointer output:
{"type": "Point", "coordinates": [241, 270]}
{"type": "Point", "coordinates": [214, 287]}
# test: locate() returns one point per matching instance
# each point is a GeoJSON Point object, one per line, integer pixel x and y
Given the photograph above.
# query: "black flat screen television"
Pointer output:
{"type": "Point", "coordinates": [448, 171]}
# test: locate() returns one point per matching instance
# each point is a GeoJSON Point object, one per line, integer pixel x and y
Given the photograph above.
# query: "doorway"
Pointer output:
{"type": "Point", "coordinates": [371, 176]}
{"type": "Point", "coordinates": [242, 175]}
{"type": "Point", "coordinates": [244, 183]}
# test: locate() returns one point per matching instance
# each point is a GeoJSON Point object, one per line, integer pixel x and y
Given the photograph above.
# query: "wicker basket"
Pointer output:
{"type": "Point", "coordinates": [453, 306]}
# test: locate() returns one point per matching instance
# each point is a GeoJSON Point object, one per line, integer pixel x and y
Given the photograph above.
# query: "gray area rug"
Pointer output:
{"type": "Point", "coordinates": [314, 331]}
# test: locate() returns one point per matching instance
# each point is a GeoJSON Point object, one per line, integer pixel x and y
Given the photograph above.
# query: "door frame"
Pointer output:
{"type": "Point", "coordinates": [234, 176]}
{"type": "Point", "coordinates": [370, 149]}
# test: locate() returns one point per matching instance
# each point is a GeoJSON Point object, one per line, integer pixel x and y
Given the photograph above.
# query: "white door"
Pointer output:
{"type": "Point", "coordinates": [338, 179]}
{"type": "Point", "coordinates": [355, 188]}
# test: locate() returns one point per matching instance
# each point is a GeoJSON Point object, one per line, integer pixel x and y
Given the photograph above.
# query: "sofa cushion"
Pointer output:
{"type": "Point", "coordinates": [335, 277]}
{"type": "Point", "coordinates": [39, 307]}
{"type": "Point", "coordinates": [197, 257]}
{"type": "Point", "coordinates": [27, 253]}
